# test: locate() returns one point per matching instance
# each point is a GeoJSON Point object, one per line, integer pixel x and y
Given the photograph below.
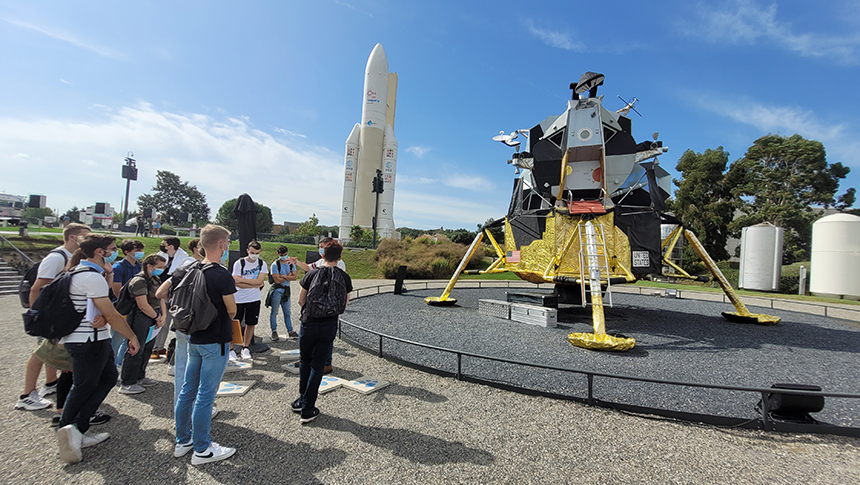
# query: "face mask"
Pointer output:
{"type": "Point", "coordinates": [322, 251]}
{"type": "Point", "coordinates": [284, 258]}
{"type": "Point", "coordinates": [138, 255]}
{"type": "Point", "coordinates": [157, 271]}
{"type": "Point", "coordinates": [225, 256]}
{"type": "Point", "coordinates": [163, 249]}
{"type": "Point", "coordinates": [110, 259]}
{"type": "Point", "coordinates": [253, 257]}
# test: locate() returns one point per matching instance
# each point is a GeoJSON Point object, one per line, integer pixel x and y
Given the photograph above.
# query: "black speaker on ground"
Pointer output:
{"type": "Point", "coordinates": [794, 406]}
{"type": "Point", "coordinates": [147, 213]}
{"type": "Point", "coordinates": [100, 207]}
{"type": "Point", "coordinates": [398, 283]}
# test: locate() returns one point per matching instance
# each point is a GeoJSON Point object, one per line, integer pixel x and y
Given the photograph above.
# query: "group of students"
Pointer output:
{"type": "Point", "coordinates": [200, 358]}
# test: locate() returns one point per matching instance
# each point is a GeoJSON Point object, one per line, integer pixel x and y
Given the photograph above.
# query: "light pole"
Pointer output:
{"type": "Point", "coordinates": [377, 189]}
{"type": "Point", "coordinates": [129, 173]}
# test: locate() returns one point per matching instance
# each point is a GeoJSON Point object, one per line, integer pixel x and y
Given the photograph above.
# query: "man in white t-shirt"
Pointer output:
{"type": "Point", "coordinates": [50, 266]}
{"type": "Point", "coordinates": [249, 273]}
{"type": "Point", "coordinates": [324, 242]}
{"type": "Point", "coordinates": [93, 368]}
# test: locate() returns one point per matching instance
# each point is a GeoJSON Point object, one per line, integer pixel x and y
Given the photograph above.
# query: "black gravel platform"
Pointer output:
{"type": "Point", "coordinates": [676, 340]}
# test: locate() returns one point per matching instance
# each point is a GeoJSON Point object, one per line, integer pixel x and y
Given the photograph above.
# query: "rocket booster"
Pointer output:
{"type": "Point", "coordinates": [371, 146]}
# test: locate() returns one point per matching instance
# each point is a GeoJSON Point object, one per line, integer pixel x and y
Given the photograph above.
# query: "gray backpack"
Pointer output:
{"type": "Point", "coordinates": [189, 304]}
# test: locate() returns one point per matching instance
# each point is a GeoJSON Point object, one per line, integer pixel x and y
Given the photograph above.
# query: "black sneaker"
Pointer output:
{"type": "Point", "coordinates": [275, 337]}
{"type": "Point", "coordinates": [294, 335]}
{"type": "Point", "coordinates": [99, 418]}
{"type": "Point", "coordinates": [55, 421]}
{"type": "Point", "coordinates": [296, 406]}
{"type": "Point", "coordinates": [312, 416]}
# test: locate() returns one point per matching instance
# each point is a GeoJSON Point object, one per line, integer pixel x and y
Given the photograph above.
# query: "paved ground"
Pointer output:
{"type": "Point", "coordinates": [421, 429]}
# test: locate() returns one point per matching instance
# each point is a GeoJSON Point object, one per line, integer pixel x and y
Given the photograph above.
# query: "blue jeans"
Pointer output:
{"type": "Point", "coordinates": [278, 301]}
{"type": "Point", "coordinates": [206, 364]}
{"type": "Point", "coordinates": [119, 344]}
{"type": "Point", "coordinates": [315, 344]}
{"type": "Point", "coordinates": [93, 376]}
{"type": "Point", "coordinates": [180, 358]}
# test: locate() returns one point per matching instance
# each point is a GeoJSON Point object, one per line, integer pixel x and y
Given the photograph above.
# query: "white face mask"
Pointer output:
{"type": "Point", "coordinates": [253, 257]}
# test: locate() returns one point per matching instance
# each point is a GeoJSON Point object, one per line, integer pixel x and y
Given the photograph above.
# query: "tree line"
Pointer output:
{"type": "Point", "coordinates": [781, 180]}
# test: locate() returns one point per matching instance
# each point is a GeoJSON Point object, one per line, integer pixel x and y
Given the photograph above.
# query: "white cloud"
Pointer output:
{"type": "Point", "coordinates": [786, 120]}
{"type": "Point", "coordinates": [468, 182]}
{"type": "Point", "coordinates": [419, 151]}
{"type": "Point", "coordinates": [64, 81]}
{"type": "Point", "coordinates": [554, 39]}
{"type": "Point", "coordinates": [71, 39]}
{"type": "Point", "coordinates": [289, 133]}
{"type": "Point", "coordinates": [745, 22]}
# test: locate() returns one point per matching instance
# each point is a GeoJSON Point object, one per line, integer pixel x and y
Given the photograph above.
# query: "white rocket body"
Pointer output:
{"type": "Point", "coordinates": [376, 149]}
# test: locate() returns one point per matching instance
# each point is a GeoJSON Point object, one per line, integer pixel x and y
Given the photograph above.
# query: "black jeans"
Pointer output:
{"type": "Point", "coordinates": [134, 366]}
{"type": "Point", "coordinates": [315, 342]}
{"type": "Point", "coordinates": [94, 375]}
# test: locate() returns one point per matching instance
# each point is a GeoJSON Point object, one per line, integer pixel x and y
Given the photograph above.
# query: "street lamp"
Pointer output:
{"type": "Point", "coordinates": [129, 173]}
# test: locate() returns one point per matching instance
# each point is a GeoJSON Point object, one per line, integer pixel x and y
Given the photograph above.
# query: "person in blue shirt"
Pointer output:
{"type": "Point", "coordinates": [122, 272]}
{"type": "Point", "coordinates": [282, 273]}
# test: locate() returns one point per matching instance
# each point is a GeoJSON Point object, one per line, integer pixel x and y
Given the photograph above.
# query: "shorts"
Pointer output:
{"type": "Point", "coordinates": [248, 313]}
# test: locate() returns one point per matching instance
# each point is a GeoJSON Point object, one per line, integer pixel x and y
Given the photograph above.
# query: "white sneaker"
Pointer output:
{"type": "Point", "coordinates": [32, 402]}
{"type": "Point", "coordinates": [233, 357]}
{"type": "Point", "coordinates": [214, 411]}
{"type": "Point", "coordinates": [92, 439]}
{"type": "Point", "coordinates": [181, 450]}
{"type": "Point", "coordinates": [132, 389]}
{"type": "Point", "coordinates": [171, 369]}
{"type": "Point", "coordinates": [246, 354]}
{"type": "Point", "coordinates": [215, 452]}
{"type": "Point", "coordinates": [47, 390]}
{"type": "Point", "coordinates": [69, 440]}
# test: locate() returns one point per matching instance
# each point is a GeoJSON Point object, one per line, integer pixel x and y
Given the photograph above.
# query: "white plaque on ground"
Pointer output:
{"type": "Point", "coordinates": [330, 383]}
{"type": "Point", "coordinates": [237, 365]}
{"type": "Point", "coordinates": [291, 367]}
{"type": "Point", "coordinates": [291, 355]}
{"type": "Point", "coordinates": [234, 388]}
{"type": "Point", "coordinates": [366, 385]}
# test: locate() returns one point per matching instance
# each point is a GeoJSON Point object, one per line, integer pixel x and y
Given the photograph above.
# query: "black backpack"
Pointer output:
{"type": "Point", "coordinates": [30, 279]}
{"type": "Point", "coordinates": [53, 314]}
{"type": "Point", "coordinates": [327, 294]}
{"type": "Point", "coordinates": [189, 305]}
{"type": "Point", "coordinates": [125, 301]}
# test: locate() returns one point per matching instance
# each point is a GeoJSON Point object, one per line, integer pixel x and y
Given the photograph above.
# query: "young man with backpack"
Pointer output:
{"type": "Point", "coordinates": [324, 296]}
{"type": "Point", "coordinates": [282, 273]}
{"type": "Point", "coordinates": [176, 257]}
{"type": "Point", "coordinates": [93, 369]}
{"type": "Point", "coordinates": [46, 270]}
{"type": "Point", "coordinates": [123, 271]}
{"type": "Point", "coordinates": [207, 348]}
{"type": "Point", "coordinates": [249, 274]}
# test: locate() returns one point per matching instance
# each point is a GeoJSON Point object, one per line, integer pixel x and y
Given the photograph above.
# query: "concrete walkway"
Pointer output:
{"type": "Point", "coordinates": [421, 429]}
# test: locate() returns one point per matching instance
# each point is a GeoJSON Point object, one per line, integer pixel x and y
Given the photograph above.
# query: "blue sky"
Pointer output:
{"type": "Point", "coordinates": [259, 97]}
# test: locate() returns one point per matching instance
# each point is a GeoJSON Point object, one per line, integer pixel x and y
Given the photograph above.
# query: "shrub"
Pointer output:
{"type": "Point", "coordinates": [425, 257]}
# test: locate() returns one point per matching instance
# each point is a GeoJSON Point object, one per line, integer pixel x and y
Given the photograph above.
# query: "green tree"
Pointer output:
{"type": "Point", "coordinates": [779, 180]}
{"type": "Point", "coordinates": [225, 217]}
{"type": "Point", "coordinates": [171, 196]}
{"type": "Point", "coordinates": [34, 215]}
{"type": "Point", "coordinates": [310, 227]}
{"type": "Point", "coordinates": [74, 214]}
{"type": "Point", "coordinates": [704, 201]}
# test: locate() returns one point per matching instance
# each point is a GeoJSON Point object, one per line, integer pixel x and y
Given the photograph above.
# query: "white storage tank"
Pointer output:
{"type": "Point", "coordinates": [836, 256]}
{"type": "Point", "coordinates": [761, 257]}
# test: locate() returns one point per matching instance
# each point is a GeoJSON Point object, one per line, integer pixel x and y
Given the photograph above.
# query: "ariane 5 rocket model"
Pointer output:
{"type": "Point", "coordinates": [371, 151]}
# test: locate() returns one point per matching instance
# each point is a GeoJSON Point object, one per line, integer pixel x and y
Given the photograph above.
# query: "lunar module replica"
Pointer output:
{"type": "Point", "coordinates": [586, 213]}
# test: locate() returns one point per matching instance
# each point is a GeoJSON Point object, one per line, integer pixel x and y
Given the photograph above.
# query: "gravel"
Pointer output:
{"type": "Point", "coordinates": [423, 428]}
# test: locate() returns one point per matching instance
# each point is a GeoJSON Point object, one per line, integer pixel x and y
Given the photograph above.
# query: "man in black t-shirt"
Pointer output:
{"type": "Point", "coordinates": [207, 355]}
{"type": "Point", "coordinates": [316, 338]}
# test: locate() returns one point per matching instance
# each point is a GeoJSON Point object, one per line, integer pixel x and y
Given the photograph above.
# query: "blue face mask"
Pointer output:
{"type": "Point", "coordinates": [138, 255]}
{"type": "Point", "coordinates": [224, 257]}
{"type": "Point", "coordinates": [157, 271]}
{"type": "Point", "coordinates": [322, 252]}
{"type": "Point", "coordinates": [283, 258]}
{"type": "Point", "coordinates": [112, 257]}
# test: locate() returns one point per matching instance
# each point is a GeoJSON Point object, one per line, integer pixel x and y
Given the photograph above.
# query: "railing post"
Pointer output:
{"type": "Point", "coordinates": [590, 389]}
{"type": "Point", "coordinates": [380, 345]}
{"type": "Point", "coordinates": [765, 412]}
{"type": "Point", "coordinates": [459, 366]}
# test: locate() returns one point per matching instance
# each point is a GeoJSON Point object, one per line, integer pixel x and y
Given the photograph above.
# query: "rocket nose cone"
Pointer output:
{"type": "Point", "coordinates": [377, 62]}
